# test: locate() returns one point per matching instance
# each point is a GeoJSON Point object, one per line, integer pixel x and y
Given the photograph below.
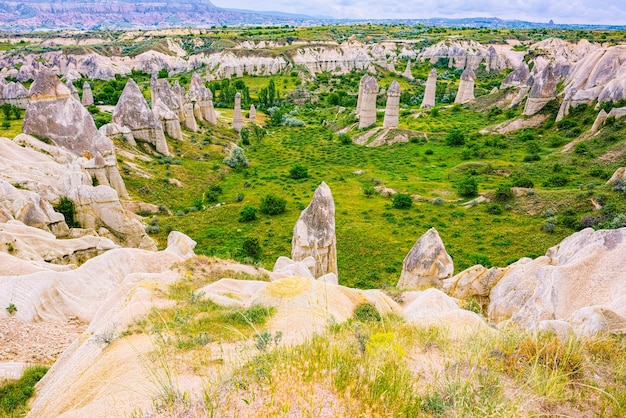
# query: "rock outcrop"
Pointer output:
{"type": "Point", "coordinates": [57, 116]}
{"type": "Point", "coordinates": [314, 233]}
{"type": "Point", "coordinates": [169, 120]}
{"type": "Point", "coordinates": [466, 86]}
{"type": "Point", "coordinates": [427, 264]}
{"type": "Point", "coordinates": [367, 111]}
{"type": "Point", "coordinates": [252, 115]}
{"type": "Point", "coordinates": [14, 93]}
{"type": "Point", "coordinates": [72, 90]}
{"type": "Point", "coordinates": [203, 99]}
{"type": "Point", "coordinates": [518, 77]}
{"type": "Point", "coordinates": [87, 99]}
{"type": "Point", "coordinates": [133, 112]}
{"type": "Point", "coordinates": [407, 71]}
{"type": "Point", "coordinates": [431, 88]}
{"type": "Point", "coordinates": [543, 90]}
{"type": "Point", "coordinates": [237, 117]}
{"type": "Point", "coordinates": [580, 277]}
{"type": "Point", "coordinates": [392, 109]}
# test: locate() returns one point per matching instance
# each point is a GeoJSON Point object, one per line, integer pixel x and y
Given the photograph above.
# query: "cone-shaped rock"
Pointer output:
{"type": "Point", "coordinates": [54, 114]}
{"type": "Point", "coordinates": [431, 87]}
{"type": "Point", "coordinates": [407, 71]}
{"type": "Point", "coordinates": [72, 90]}
{"type": "Point", "coordinates": [427, 263]}
{"type": "Point", "coordinates": [542, 91]}
{"type": "Point", "coordinates": [252, 116]}
{"type": "Point", "coordinates": [466, 86]}
{"type": "Point", "coordinates": [133, 112]}
{"type": "Point", "coordinates": [169, 119]}
{"type": "Point", "coordinates": [518, 77]}
{"type": "Point", "coordinates": [393, 106]}
{"type": "Point", "coordinates": [15, 94]}
{"type": "Point", "coordinates": [237, 118]}
{"type": "Point", "coordinates": [367, 114]}
{"type": "Point", "coordinates": [314, 233]}
{"type": "Point", "coordinates": [87, 98]}
{"type": "Point", "coordinates": [359, 100]}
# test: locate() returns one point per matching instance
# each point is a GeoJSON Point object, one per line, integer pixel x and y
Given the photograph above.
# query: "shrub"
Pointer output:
{"type": "Point", "coordinates": [581, 148]}
{"type": "Point", "coordinates": [345, 139]}
{"type": "Point", "coordinates": [455, 138]}
{"type": "Point", "coordinates": [251, 247]}
{"type": "Point", "coordinates": [14, 395]}
{"type": "Point", "coordinates": [467, 187]}
{"type": "Point", "coordinates": [211, 196]}
{"type": "Point", "coordinates": [556, 180]}
{"type": "Point", "coordinates": [366, 312]}
{"type": "Point", "coordinates": [503, 192]}
{"type": "Point", "coordinates": [298, 171]}
{"type": "Point", "coordinates": [11, 309]}
{"type": "Point", "coordinates": [494, 209]}
{"type": "Point", "coordinates": [369, 191]}
{"type": "Point", "coordinates": [272, 205]}
{"type": "Point", "coordinates": [247, 214]}
{"type": "Point", "coordinates": [438, 201]}
{"type": "Point", "coordinates": [67, 208]}
{"type": "Point", "coordinates": [402, 201]}
{"type": "Point", "coordinates": [428, 152]}
{"type": "Point", "coordinates": [477, 258]}
{"type": "Point", "coordinates": [237, 159]}
{"type": "Point", "coordinates": [523, 182]}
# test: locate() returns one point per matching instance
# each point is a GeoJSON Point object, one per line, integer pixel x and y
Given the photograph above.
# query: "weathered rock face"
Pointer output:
{"type": "Point", "coordinates": [463, 54]}
{"type": "Point", "coordinates": [314, 233]}
{"type": "Point", "coordinates": [543, 90]}
{"type": "Point", "coordinates": [54, 114]}
{"type": "Point", "coordinates": [133, 112]}
{"type": "Point", "coordinates": [585, 270]}
{"type": "Point", "coordinates": [190, 119]}
{"type": "Point", "coordinates": [427, 263]}
{"type": "Point", "coordinates": [466, 86]}
{"type": "Point", "coordinates": [15, 94]}
{"type": "Point", "coordinates": [431, 87]}
{"type": "Point", "coordinates": [407, 71]}
{"type": "Point", "coordinates": [367, 113]}
{"type": "Point", "coordinates": [392, 108]}
{"type": "Point", "coordinates": [252, 115]}
{"type": "Point", "coordinates": [491, 59]}
{"type": "Point", "coordinates": [97, 208]}
{"type": "Point", "coordinates": [72, 90]}
{"type": "Point", "coordinates": [237, 118]}
{"type": "Point", "coordinates": [87, 99]}
{"type": "Point", "coordinates": [517, 77]}
{"type": "Point", "coordinates": [203, 99]}
{"type": "Point", "coordinates": [169, 120]}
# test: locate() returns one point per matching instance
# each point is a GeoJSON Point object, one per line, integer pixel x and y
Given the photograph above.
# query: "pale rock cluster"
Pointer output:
{"type": "Point", "coordinates": [466, 86]}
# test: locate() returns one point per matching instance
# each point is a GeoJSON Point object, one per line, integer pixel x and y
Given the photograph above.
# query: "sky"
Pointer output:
{"type": "Point", "coordinates": [610, 12]}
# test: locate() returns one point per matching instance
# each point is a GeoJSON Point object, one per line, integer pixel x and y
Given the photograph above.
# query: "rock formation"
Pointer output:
{"type": "Point", "coordinates": [491, 59]}
{"type": "Point", "coordinates": [367, 113]}
{"type": "Point", "coordinates": [54, 114]}
{"type": "Point", "coordinates": [133, 112]}
{"type": "Point", "coordinates": [190, 119]}
{"type": "Point", "coordinates": [72, 90]}
{"type": "Point", "coordinates": [466, 87]}
{"type": "Point", "coordinates": [581, 275]}
{"type": "Point", "coordinates": [237, 118]}
{"type": "Point", "coordinates": [543, 90]}
{"type": "Point", "coordinates": [169, 120]}
{"type": "Point", "coordinates": [252, 115]}
{"type": "Point", "coordinates": [431, 88]}
{"type": "Point", "coordinates": [15, 94]}
{"type": "Point", "coordinates": [359, 100]}
{"type": "Point", "coordinates": [427, 263]}
{"type": "Point", "coordinates": [392, 108]}
{"type": "Point", "coordinates": [314, 233]}
{"type": "Point", "coordinates": [518, 77]}
{"type": "Point", "coordinates": [87, 99]}
{"type": "Point", "coordinates": [203, 98]}
{"type": "Point", "coordinates": [407, 71]}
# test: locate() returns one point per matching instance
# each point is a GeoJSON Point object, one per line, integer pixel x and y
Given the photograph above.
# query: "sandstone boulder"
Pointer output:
{"type": "Point", "coordinates": [476, 282]}
{"type": "Point", "coordinates": [133, 112]}
{"type": "Point", "coordinates": [585, 269]}
{"type": "Point", "coordinates": [427, 264]}
{"type": "Point", "coordinates": [314, 233]}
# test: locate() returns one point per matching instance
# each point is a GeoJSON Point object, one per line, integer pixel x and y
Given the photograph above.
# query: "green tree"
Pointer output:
{"type": "Point", "coordinates": [272, 205]}
{"type": "Point", "coordinates": [455, 138]}
{"type": "Point", "coordinates": [467, 187]}
{"type": "Point", "coordinates": [298, 171]}
{"type": "Point", "coordinates": [402, 201]}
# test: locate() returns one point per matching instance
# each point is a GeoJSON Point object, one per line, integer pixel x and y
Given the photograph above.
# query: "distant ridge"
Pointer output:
{"type": "Point", "coordinates": [46, 15]}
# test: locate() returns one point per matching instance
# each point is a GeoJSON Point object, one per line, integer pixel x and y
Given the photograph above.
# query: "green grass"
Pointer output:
{"type": "Point", "coordinates": [14, 395]}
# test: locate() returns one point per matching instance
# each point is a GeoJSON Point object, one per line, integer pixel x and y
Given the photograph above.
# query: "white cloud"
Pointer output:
{"type": "Point", "coordinates": [561, 11]}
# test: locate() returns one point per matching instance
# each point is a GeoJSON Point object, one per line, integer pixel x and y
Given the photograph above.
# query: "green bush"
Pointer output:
{"type": "Point", "coordinates": [247, 214]}
{"type": "Point", "coordinates": [455, 138]}
{"type": "Point", "coordinates": [402, 201]}
{"type": "Point", "coordinates": [251, 247]}
{"type": "Point", "coordinates": [503, 192]}
{"type": "Point", "coordinates": [237, 159]}
{"type": "Point", "coordinates": [494, 209]}
{"type": "Point", "coordinates": [15, 395]}
{"type": "Point", "coordinates": [467, 187]}
{"type": "Point", "coordinates": [67, 208]}
{"type": "Point", "coordinates": [366, 312]}
{"type": "Point", "coordinates": [345, 139]}
{"type": "Point", "coordinates": [555, 180]}
{"type": "Point", "coordinates": [272, 205]}
{"type": "Point", "coordinates": [522, 182]}
{"type": "Point", "coordinates": [298, 171]}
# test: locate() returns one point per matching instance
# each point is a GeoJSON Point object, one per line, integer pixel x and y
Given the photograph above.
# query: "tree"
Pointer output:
{"type": "Point", "coordinates": [503, 192]}
{"type": "Point", "coordinates": [237, 159]}
{"type": "Point", "coordinates": [271, 93]}
{"type": "Point", "coordinates": [247, 214]}
{"type": "Point", "coordinates": [298, 171]}
{"type": "Point", "coordinates": [251, 247]}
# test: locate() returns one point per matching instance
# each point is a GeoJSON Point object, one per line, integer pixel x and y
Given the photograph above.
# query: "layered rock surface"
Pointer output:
{"type": "Point", "coordinates": [427, 263]}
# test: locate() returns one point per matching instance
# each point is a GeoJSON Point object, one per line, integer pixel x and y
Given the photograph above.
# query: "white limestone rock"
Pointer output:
{"type": "Point", "coordinates": [466, 86]}
{"type": "Point", "coordinates": [427, 264]}
{"type": "Point", "coordinates": [431, 87]}
{"type": "Point", "coordinates": [392, 108]}
{"type": "Point", "coordinates": [314, 233]}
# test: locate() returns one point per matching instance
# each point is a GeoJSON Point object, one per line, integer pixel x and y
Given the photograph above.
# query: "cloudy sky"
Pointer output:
{"type": "Point", "coordinates": [561, 11]}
